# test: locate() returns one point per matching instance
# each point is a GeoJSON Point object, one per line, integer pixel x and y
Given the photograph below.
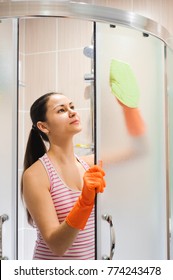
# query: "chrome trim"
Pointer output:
{"type": "Point", "coordinates": [84, 11]}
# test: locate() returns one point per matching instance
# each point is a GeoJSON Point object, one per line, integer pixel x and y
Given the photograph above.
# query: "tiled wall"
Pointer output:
{"type": "Point", "coordinates": [51, 59]}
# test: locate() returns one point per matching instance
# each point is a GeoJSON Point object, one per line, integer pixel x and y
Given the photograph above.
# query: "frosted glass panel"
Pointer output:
{"type": "Point", "coordinates": [135, 196]}
{"type": "Point", "coordinates": [8, 124]}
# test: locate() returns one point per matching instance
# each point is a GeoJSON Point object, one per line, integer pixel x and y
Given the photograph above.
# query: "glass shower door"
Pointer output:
{"type": "Point", "coordinates": [135, 196]}
{"type": "Point", "coordinates": [8, 139]}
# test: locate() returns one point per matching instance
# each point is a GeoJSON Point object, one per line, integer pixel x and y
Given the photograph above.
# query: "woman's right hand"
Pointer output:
{"type": "Point", "coordinates": [93, 183]}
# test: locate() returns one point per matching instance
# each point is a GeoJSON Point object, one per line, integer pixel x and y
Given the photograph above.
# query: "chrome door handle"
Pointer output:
{"type": "Point", "coordinates": [108, 218]}
{"type": "Point", "coordinates": [3, 218]}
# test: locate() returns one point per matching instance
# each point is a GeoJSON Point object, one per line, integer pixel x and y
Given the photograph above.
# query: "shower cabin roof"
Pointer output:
{"type": "Point", "coordinates": [90, 12]}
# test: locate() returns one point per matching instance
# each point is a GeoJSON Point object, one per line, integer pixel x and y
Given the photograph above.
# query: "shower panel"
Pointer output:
{"type": "Point", "coordinates": [136, 193]}
{"type": "Point", "coordinates": [8, 147]}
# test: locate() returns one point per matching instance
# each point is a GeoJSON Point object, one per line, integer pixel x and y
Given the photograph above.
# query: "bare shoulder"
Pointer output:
{"type": "Point", "coordinates": [35, 169]}
{"type": "Point", "coordinates": [89, 159]}
{"type": "Point", "coordinates": [35, 174]}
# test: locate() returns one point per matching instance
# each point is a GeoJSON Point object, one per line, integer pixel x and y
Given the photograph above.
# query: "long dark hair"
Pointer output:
{"type": "Point", "coordinates": [36, 147]}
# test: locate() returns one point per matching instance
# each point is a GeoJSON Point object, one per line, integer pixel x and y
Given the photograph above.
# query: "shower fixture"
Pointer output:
{"type": "Point", "coordinates": [89, 77]}
{"type": "Point", "coordinates": [89, 51]}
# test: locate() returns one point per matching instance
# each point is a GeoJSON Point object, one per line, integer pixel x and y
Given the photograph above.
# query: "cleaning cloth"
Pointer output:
{"type": "Point", "coordinates": [123, 83]}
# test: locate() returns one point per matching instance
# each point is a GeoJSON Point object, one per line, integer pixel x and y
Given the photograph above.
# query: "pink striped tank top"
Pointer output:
{"type": "Point", "coordinates": [64, 198]}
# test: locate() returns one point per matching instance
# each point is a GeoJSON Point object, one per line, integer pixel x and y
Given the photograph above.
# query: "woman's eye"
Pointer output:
{"type": "Point", "coordinates": [61, 110]}
{"type": "Point", "coordinates": [72, 107]}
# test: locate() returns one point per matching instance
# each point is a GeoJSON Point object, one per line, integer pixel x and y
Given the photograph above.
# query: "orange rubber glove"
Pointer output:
{"type": "Point", "coordinates": [133, 119]}
{"type": "Point", "coordinates": [93, 184]}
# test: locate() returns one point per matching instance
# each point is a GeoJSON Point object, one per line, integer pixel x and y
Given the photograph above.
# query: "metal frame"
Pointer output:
{"type": "Point", "coordinates": [84, 11]}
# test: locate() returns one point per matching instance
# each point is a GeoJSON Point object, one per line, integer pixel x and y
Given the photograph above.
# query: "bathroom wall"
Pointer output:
{"type": "Point", "coordinates": [51, 59]}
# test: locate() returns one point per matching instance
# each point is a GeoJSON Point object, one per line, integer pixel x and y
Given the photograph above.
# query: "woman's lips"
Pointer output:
{"type": "Point", "coordinates": [75, 122]}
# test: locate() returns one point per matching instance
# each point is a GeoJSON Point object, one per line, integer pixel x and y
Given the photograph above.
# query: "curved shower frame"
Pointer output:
{"type": "Point", "coordinates": [94, 13]}
{"type": "Point", "coordinates": [84, 11]}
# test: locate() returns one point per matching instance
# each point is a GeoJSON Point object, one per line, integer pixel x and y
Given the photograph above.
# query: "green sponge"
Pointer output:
{"type": "Point", "coordinates": [123, 83]}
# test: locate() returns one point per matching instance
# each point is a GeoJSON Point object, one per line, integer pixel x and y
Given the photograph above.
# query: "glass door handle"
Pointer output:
{"type": "Point", "coordinates": [3, 218]}
{"type": "Point", "coordinates": [108, 218]}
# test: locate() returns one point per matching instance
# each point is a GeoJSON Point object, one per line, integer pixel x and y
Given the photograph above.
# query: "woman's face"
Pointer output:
{"type": "Point", "coordinates": [62, 119]}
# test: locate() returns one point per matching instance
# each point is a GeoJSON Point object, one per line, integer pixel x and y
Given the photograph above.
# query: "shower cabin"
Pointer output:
{"type": "Point", "coordinates": [134, 215]}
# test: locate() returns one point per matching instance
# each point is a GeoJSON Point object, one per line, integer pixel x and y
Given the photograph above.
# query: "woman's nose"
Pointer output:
{"type": "Point", "coordinates": [72, 113]}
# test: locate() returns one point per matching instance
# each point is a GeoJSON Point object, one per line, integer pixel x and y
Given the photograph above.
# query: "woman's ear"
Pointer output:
{"type": "Point", "coordinates": [43, 127]}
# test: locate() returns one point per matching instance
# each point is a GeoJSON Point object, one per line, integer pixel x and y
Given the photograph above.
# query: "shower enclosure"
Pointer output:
{"type": "Point", "coordinates": [133, 216]}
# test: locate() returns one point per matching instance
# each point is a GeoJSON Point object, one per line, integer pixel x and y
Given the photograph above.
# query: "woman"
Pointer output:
{"type": "Point", "coordinates": [59, 188]}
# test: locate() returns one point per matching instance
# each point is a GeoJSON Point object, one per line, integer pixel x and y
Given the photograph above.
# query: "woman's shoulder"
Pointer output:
{"type": "Point", "coordinates": [35, 178]}
{"type": "Point", "coordinates": [35, 167]}
{"type": "Point", "coordinates": [89, 159]}
{"type": "Point", "coordinates": [35, 172]}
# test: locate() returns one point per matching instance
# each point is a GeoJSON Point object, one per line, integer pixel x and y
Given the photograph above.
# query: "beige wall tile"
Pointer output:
{"type": "Point", "coordinates": [21, 122]}
{"type": "Point", "coordinates": [21, 99]}
{"type": "Point", "coordinates": [166, 15]}
{"type": "Point", "coordinates": [73, 33]}
{"type": "Point", "coordinates": [40, 34]}
{"type": "Point", "coordinates": [72, 66]}
{"type": "Point", "coordinates": [148, 8]}
{"type": "Point", "coordinates": [40, 76]}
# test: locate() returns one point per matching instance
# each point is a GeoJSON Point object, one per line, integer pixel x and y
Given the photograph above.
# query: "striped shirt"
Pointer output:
{"type": "Point", "coordinates": [64, 198]}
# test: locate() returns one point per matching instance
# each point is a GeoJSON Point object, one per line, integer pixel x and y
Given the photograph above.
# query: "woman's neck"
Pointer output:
{"type": "Point", "coordinates": [63, 152]}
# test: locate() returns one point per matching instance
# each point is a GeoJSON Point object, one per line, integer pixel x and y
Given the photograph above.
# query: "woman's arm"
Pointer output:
{"type": "Point", "coordinates": [89, 159]}
{"type": "Point", "coordinates": [138, 147]}
{"type": "Point", "coordinates": [137, 134]}
{"type": "Point", "coordinates": [58, 237]}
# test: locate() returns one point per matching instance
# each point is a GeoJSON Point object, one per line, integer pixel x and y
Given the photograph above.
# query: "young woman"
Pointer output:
{"type": "Point", "coordinates": [59, 188]}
